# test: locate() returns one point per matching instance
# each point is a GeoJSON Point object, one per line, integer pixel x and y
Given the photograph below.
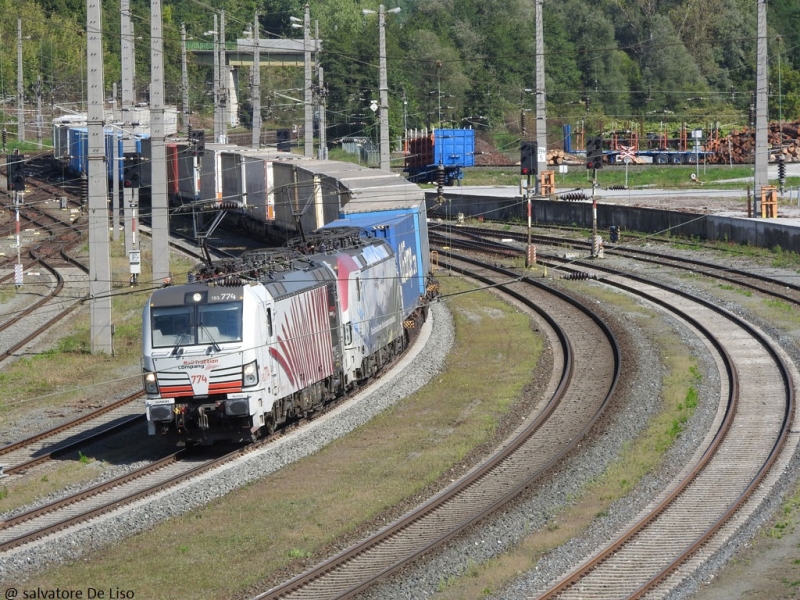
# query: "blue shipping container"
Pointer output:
{"type": "Point", "coordinates": [406, 231]}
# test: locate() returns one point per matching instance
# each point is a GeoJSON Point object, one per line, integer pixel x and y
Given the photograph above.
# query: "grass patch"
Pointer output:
{"type": "Point", "coordinates": [664, 177]}
{"type": "Point", "coordinates": [25, 490]}
{"type": "Point", "coordinates": [294, 513]}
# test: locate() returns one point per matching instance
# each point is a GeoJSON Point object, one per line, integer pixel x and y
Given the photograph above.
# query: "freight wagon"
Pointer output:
{"type": "Point", "coordinates": [450, 149]}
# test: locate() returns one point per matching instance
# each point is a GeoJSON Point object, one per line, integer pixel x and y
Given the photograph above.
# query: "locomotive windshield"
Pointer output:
{"type": "Point", "coordinates": [198, 324]}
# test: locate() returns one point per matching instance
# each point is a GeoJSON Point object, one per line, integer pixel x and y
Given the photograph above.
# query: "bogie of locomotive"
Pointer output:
{"type": "Point", "coordinates": [268, 339]}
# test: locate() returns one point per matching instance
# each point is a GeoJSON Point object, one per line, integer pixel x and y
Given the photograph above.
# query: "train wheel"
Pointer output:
{"type": "Point", "coordinates": [269, 425]}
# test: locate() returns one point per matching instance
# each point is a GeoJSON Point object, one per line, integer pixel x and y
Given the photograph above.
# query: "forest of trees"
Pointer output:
{"type": "Point", "coordinates": [455, 63]}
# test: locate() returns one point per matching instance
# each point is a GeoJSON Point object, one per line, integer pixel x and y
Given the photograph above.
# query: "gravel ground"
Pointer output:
{"type": "Point", "coordinates": [534, 511]}
{"type": "Point", "coordinates": [627, 420]}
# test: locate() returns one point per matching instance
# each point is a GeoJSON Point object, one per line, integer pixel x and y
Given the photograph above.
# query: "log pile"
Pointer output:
{"type": "Point", "coordinates": [559, 157]}
{"type": "Point", "coordinates": [738, 146]}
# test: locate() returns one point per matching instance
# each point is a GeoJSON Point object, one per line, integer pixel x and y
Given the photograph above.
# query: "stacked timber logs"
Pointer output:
{"type": "Point", "coordinates": [558, 157]}
{"type": "Point", "coordinates": [738, 146]}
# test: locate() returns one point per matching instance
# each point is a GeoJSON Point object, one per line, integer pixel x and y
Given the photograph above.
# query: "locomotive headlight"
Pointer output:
{"type": "Point", "coordinates": [150, 383]}
{"type": "Point", "coordinates": [250, 374]}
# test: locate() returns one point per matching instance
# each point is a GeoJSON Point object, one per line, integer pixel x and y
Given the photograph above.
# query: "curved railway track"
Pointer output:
{"type": "Point", "coordinates": [587, 376]}
{"type": "Point", "coordinates": [751, 279]}
{"type": "Point", "coordinates": [52, 254]}
{"type": "Point", "coordinates": [697, 513]}
{"type": "Point", "coordinates": [695, 516]}
{"type": "Point", "coordinates": [689, 521]}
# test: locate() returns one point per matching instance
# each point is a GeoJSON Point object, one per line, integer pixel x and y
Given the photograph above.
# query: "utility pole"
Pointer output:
{"type": "Point", "coordinates": [223, 82]}
{"type": "Point", "coordinates": [130, 198]}
{"type": "Point", "coordinates": [184, 82]}
{"type": "Point", "coordinates": [762, 151]}
{"type": "Point", "coordinates": [39, 112]}
{"type": "Point", "coordinates": [114, 115]}
{"type": "Point", "coordinates": [159, 217]}
{"type": "Point", "coordinates": [20, 89]}
{"type": "Point", "coordinates": [383, 87]}
{"type": "Point", "coordinates": [322, 152]}
{"type": "Point", "coordinates": [319, 98]}
{"type": "Point", "coordinates": [307, 100]}
{"type": "Point", "coordinates": [217, 118]}
{"type": "Point", "coordinates": [115, 170]}
{"type": "Point", "coordinates": [255, 93]}
{"type": "Point", "coordinates": [99, 261]}
{"type": "Point", "coordinates": [386, 164]}
{"type": "Point", "coordinates": [541, 99]}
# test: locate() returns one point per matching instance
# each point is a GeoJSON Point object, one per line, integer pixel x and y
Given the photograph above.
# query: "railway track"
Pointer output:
{"type": "Point", "coordinates": [696, 514]}
{"type": "Point", "coordinates": [587, 371]}
{"type": "Point", "coordinates": [49, 252]}
{"type": "Point", "coordinates": [68, 437]}
{"type": "Point", "coordinates": [730, 475]}
{"type": "Point", "coordinates": [771, 371]}
{"type": "Point", "coordinates": [752, 279]}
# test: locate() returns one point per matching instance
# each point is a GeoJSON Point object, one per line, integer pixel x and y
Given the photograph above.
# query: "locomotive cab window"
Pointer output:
{"type": "Point", "coordinates": [172, 326]}
{"type": "Point", "coordinates": [219, 323]}
{"type": "Point", "coordinates": [200, 324]}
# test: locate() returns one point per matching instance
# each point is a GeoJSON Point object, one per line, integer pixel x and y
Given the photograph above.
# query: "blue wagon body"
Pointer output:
{"type": "Point", "coordinates": [453, 149]}
{"type": "Point", "coordinates": [78, 144]}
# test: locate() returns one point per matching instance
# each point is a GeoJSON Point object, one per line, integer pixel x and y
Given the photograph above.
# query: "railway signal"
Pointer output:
{"type": "Point", "coordinates": [198, 137]}
{"type": "Point", "coordinates": [594, 153]}
{"type": "Point", "coordinates": [527, 158]}
{"type": "Point", "coordinates": [284, 140]}
{"type": "Point", "coordinates": [132, 171]}
{"type": "Point", "coordinates": [15, 181]}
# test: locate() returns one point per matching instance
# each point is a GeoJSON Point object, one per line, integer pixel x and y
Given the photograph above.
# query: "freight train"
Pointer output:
{"type": "Point", "coordinates": [270, 194]}
{"type": "Point", "coordinates": [250, 343]}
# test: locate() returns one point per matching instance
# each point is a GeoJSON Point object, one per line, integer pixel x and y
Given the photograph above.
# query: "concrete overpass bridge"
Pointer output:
{"type": "Point", "coordinates": [272, 53]}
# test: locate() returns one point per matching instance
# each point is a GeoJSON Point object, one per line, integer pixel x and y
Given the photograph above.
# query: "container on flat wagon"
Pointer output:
{"type": "Point", "coordinates": [406, 231]}
{"type": "Point", "coordinates": [77, 138]}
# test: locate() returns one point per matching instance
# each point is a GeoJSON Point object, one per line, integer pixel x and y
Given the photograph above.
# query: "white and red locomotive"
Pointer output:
{"type": "Point", "coordinates": [270, 336]}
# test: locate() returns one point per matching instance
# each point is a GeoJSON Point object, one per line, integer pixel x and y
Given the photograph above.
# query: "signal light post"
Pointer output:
{"type": "Point", "coordinates": [528, 166]}
{"type": "Point", "coordinates": [594, 161]}
{"type": "Point", "coordinates": [15, 181]}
